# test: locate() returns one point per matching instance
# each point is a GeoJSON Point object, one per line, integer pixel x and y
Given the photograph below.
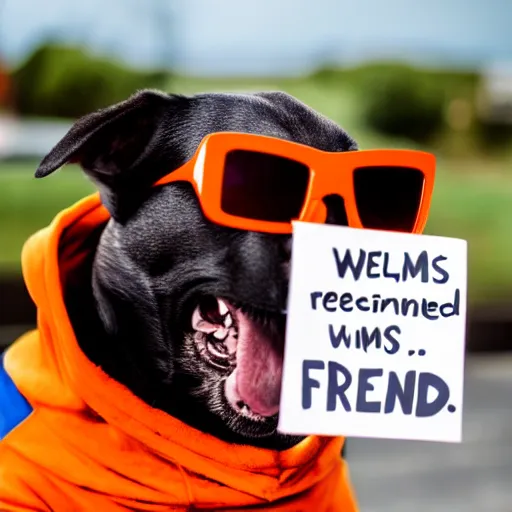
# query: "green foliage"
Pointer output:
{"type": "Point", "coordinates": [493, 136]}
{"type": "Point", "coordinates": [62, 81]}
{"type": "Point", "coordinates": [403, 102]}
{"type": "Point", "coordinates": [399, 100]}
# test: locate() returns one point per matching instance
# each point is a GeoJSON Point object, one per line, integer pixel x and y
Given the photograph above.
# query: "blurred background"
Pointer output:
{"type": "Point", "coordinates": [434, 75]}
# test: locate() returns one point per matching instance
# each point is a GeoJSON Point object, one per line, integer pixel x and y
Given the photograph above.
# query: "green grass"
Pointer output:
{"type": "Point", "coordinates": [474, 206]}
{"type": "Point", "coordinates": [477, 206]}
{"type": "Point", "coordinates": [28, 204]}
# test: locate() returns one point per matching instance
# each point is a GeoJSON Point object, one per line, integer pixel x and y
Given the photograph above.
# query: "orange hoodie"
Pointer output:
{"type": "Point", "coordinates": [73, 439]}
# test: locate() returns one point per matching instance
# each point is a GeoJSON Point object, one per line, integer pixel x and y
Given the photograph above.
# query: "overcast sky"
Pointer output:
{"type": "Point", "coordinates": [260, 35]}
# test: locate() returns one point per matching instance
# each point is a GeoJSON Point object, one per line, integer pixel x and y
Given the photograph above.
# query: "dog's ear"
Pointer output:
{"type": "Point", "coordinates": [114, 144]}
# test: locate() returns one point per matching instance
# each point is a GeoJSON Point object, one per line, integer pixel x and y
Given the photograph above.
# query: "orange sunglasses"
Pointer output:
{"type": "Point", "coordinates": [258, 183]}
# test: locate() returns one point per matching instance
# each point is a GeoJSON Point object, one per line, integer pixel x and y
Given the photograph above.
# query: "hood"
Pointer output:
{"type": "Point", "coordinates": [53, 373]}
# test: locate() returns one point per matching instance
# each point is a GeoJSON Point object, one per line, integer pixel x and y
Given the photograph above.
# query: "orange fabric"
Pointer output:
{"type": "Point", "coordinates": [90, 444]}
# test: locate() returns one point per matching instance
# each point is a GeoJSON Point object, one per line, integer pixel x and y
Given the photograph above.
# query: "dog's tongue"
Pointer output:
{"type": "Point", "coordinates": [256, 380]}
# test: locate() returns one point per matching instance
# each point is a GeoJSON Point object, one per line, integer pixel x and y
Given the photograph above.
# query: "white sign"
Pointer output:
{"type": "Point", "coordinates": [375, 338]}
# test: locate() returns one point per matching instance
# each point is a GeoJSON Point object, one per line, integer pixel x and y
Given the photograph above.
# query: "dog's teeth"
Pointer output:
{"type": "Point", "coordinates": [220, 334]}
{"type": "Point", "coordinates": [223, 308]}
{"type": "Point", "coordinates": [228, 321]}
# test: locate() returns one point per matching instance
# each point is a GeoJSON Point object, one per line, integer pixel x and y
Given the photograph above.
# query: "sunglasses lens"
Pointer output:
{"type": "Point", "coordinates": [264, 187]}
{"type": "Point", "coordinates": [388, 197]}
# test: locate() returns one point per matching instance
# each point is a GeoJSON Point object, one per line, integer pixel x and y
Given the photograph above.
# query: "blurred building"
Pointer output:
{"type": "Point", "coordinates": [495, 94]}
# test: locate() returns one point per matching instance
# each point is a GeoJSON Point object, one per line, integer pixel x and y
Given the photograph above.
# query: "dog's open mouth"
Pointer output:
{"type": "Point", "coordinates": [246, 344]}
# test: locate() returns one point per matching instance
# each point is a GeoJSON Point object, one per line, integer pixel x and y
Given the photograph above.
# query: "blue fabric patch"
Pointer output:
{"type": "Point", "coordinates": [14, 408]}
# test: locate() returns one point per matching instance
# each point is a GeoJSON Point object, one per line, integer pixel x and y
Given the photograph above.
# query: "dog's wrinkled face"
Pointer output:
{"type": "Point", "coordinates": [187, 314]}
{"type": "Point", "coordinates": [220, 294]}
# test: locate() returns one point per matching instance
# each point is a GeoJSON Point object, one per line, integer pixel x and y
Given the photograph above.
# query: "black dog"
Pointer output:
{"type": "Point", "coordinates": [164, 285]}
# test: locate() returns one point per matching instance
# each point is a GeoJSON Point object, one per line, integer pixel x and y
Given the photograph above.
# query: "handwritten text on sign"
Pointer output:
{"type": "Point", "coordinates": [375, 335]}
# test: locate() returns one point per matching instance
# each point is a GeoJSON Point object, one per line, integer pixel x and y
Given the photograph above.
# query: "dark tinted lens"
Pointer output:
{"type": "Point", "coordinates": [388, 197]}
{"type": "Point", "coordinates": [263, 187]}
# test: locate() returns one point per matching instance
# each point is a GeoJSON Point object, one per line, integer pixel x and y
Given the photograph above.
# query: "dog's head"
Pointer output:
{"type": "Point", "coordinates": [192, 314]}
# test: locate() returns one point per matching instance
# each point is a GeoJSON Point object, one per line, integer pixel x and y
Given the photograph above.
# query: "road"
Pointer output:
{"type": "Point", "coordinates": [474, 476]}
